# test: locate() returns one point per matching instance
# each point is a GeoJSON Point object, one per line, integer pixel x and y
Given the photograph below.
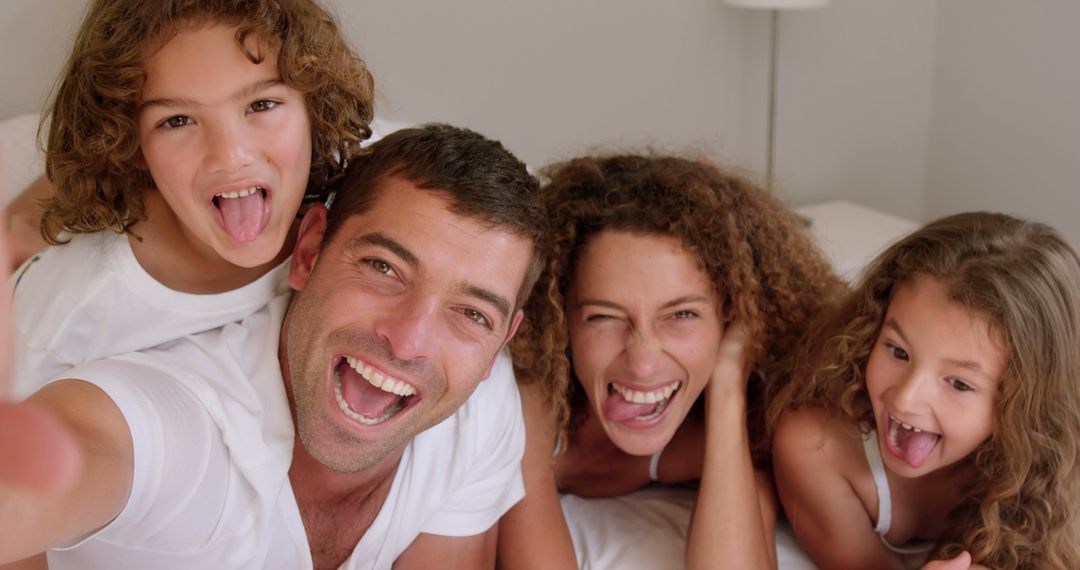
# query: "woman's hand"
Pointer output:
{"type": "Point", "coordinates": [732, 369]}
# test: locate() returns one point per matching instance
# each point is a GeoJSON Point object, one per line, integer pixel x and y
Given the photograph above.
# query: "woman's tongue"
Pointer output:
{"type": "Point", "coordinates": [243, 218]}
{"type": "Point", "coordinates": [617, 409]}
{"type": "Point", "coordinates": [362, 397]}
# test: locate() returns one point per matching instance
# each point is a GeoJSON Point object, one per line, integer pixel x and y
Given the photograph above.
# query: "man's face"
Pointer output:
{"type": "Point", "coordinates": [396, 324]}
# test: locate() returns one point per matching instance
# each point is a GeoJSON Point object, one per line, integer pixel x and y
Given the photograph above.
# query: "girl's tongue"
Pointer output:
{"type": "Point", "coordinates": [910, 445]}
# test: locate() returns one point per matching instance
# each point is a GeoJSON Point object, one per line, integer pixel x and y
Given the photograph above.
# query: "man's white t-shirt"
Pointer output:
{"type": "Point", "coordinates": [90, 299]}
{"type": "Point", "coordinates": [213, 437]}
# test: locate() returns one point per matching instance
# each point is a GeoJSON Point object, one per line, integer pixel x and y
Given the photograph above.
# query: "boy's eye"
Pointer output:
{"type": "Point", "coordinates": [176, 122]}
{"type": "Point", "coordinates": [959, 385]}
{"type": "Point", "coordinates": [262, 105]}
{"type": "Point", "coordinates": [477, 317]}
{"type": "Point", "coordinates": [897, 352]}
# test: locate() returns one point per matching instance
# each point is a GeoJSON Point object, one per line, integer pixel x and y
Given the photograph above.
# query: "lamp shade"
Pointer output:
{"type": "Point", "coordinates": [777, 4]}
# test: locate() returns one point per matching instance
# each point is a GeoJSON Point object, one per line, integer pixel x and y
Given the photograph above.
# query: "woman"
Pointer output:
{"type": "Point", "coordinates": [669, 282]}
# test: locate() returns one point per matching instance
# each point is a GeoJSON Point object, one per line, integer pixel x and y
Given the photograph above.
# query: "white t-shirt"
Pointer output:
{"type": "Point", "coordinates": [90, 299]}
{"type": "Point", "coordinates": [213, 438]}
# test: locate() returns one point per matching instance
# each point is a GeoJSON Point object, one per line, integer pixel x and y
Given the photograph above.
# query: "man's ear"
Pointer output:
{"type": "Point", "coordinates": [308, 242]}
{"type": "Point", "coordinates": [509, 335]}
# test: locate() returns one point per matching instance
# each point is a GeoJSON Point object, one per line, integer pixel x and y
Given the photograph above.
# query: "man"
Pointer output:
{"type": "Point", "coordinates": [370, 440]}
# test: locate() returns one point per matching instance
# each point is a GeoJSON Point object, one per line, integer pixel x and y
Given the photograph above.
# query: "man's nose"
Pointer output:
{"type": "Point", "coordinates": [409, 330]}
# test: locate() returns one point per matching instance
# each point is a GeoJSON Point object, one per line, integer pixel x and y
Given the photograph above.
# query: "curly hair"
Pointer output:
{"type": "Point", "coordinates": [92, 154]}
{"type": "Point", "coordinates": [763, 264]}
{"type": "Point", "coordinates": [1026, 280]}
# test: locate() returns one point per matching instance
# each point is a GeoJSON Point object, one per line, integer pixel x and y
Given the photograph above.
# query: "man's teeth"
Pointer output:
{"type": "Point", "coordinates": [240, 194]}
{"type": "Point", "coordinates": [652, 397]}
{"type": "Point", "coordinates": [379, 380]}
{"type": "Point", "coordinates": [355, 416]}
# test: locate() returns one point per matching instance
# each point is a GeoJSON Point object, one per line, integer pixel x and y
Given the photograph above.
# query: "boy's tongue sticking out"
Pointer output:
{"type": "Point", "coordinates": [244, 213]}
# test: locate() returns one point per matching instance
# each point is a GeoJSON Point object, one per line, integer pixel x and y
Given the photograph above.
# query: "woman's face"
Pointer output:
{"type": "Point", "coordinates": [645, 326]}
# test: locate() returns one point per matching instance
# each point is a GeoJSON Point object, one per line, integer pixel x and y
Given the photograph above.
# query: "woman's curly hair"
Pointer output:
{"type": "Point", "coordinates": [92, 152]}
{"type": "Point", "coordinates": [1026, 280]}
{"type": "Point", "coordinates": [766, 270]}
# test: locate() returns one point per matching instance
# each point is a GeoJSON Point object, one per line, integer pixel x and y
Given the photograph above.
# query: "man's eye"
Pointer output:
{"type": "Point", "coordinates": [477, 317]}
{"type": "Point", "coordinates": [960, 385]}
{"type": "Point", "coordinates": [381, 266]}
{"type": "Point", "coordinates": [262, 105]}
{"type": "Point", "coordinates": [897, 352]}
{"type": "Point", "coordinates": [176, 122]}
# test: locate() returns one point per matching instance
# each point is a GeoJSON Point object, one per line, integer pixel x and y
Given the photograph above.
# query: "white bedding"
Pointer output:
{"type": "Point", "coordinates": [646, 530]}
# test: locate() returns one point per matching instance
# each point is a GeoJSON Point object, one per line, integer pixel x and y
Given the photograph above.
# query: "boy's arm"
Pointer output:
{"type": "Point", "coordinates": [533, 534]}
{"type": "Point", "coordinates": [31, 523]}
{"type": "Point", "coordinates": [828, 518]}
{"type": "Point", "coordinates": [23, 218]}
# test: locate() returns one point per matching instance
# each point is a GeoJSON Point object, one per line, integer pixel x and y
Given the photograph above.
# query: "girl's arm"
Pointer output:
{"type": "Point", "coordinates": [812, 454]}
{"type": "Point", "coordinates": [533, 534]}
{"type": "Point", "coordinates": [733, 524]}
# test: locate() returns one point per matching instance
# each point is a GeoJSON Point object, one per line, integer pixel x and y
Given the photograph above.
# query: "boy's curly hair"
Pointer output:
{"type": "Point", "coordinates": [92, 154]}
{"type": "Point", "coordinates": [1026, 280]}
{"type": "Point", "coordinates": [765, 268]}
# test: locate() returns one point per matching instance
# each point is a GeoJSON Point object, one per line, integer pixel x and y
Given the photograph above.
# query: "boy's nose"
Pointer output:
{"type": "Point", "coordinates": [228, 149]}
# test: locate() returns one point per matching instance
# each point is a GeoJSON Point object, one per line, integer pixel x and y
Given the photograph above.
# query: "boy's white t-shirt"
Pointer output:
{"type": "Point", "coordinates": [90, 299]}
{"type": "Point", "coordinates": [213, 437]}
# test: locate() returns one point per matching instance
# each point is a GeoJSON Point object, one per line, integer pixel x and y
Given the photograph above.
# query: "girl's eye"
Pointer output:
{"type": "Point", "coordinates": [959, 385]}
{"type": "Point", "coordinates": [897, 352]}
{"type": "Point", "coordinates": [262, 105]}
{"type": "Point", "coordinates": [381, 266]}
{"type": "Point", "coordinates": [477, 317]}
{"type": "Point", "coordinates": [176, 122]}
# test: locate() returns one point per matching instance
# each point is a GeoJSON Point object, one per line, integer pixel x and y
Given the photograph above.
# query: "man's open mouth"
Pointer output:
{"type": "Point", "coordinates": [368, 396]}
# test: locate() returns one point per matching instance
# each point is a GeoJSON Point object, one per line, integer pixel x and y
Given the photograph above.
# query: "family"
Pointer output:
{"type": "Point", "coordinates": [260, 340]}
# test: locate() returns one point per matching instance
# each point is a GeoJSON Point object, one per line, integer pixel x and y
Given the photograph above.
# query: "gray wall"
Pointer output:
{"type": "Point", "coordinates": [1005, 130]}
{"type": "Point", "coordinates": [915, 107]}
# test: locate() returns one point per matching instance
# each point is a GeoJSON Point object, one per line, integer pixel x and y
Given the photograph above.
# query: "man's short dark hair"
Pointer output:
{"type": "Point", "coordinates": [479, 178]}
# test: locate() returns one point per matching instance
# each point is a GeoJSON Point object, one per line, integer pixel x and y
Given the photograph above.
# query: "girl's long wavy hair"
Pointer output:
{"type": "Point", "coordinates": [1026, 279]}
{"type": "Point", "coordinates": [765, 268]}
{"type": "Point", "coordinates": [92, 150]}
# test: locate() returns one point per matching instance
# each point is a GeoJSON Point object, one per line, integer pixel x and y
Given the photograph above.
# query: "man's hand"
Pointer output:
{"type": "Point", "coordinates": [37, 452]}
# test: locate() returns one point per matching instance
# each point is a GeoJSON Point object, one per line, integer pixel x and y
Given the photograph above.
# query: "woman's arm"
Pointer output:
{"type": "Point", "coordinates": [733, 524]}
{"type": "Point", "coordinates": [533, 534]}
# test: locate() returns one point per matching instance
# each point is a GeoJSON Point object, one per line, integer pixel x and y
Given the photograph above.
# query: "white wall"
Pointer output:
{"type": "Point", "coordinates": [1006, 117]}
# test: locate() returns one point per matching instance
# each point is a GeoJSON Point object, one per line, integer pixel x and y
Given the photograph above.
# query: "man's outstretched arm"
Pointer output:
{"type": "Point", "coordinates": [30, 522]}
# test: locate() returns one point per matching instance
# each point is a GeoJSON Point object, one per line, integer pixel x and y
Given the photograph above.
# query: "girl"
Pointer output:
{"type": "Point", "coordinates": [668, 282]}
{"type": "Point", "coordinates": [938, 406]}
{"type": "Point", "coordinates": [184, 135]}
